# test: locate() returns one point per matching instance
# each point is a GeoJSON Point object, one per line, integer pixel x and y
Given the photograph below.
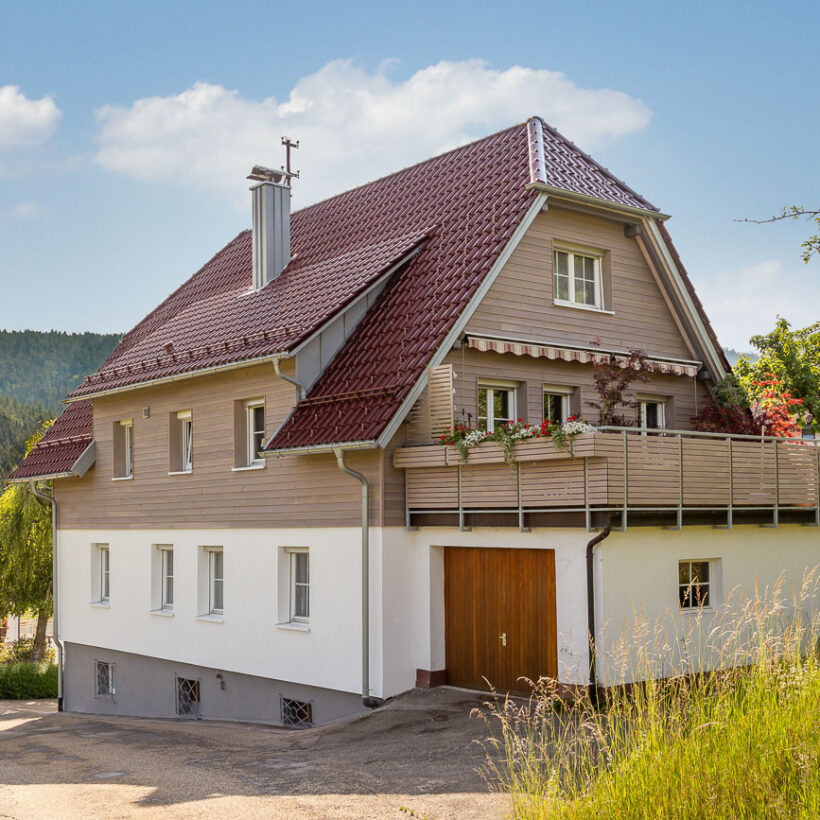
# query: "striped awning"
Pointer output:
{"type": "Point", "coordinates": [574, 354]}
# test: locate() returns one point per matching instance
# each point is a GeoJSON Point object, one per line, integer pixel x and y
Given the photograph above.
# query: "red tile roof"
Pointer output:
{"type": "Point", "coordinates": [461, 208]}
{"type": "Point", "coordinates": [63, 443]}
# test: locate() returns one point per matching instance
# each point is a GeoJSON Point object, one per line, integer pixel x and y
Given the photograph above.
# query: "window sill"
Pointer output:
{"type": "Point", "coordinates": [123, 478]}
{"type": "Point", "coordinates": [294, 626]}
{"type": "Point", "coordinates": [180, 472]}
{"type": "Point", "coordinates": [163, 613]}
{"type": "Point", "coordinates": [249, 467]}
{"type": "Point", "coordinates": [101, 604]}
{"type": "Point", "coordinates": [697, 610]}
{"type": "Point", "coordinates": [211, 619]}
{"type": "Point", "coordinates": [577, 306]}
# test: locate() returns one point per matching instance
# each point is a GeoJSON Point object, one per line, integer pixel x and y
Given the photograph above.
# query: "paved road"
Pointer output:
{"type": "Point", "coordinates": [419, 752]}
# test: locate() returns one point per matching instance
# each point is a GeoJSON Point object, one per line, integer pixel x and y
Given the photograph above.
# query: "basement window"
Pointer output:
{"type": "Point", "coordinates": [188, 697]}
{"type": "Point", "coordinates": [694, 584]}
{"type": "Point", "coordinates": [104, 680]}
{"type": "Point", "coordinates": [296, 713]}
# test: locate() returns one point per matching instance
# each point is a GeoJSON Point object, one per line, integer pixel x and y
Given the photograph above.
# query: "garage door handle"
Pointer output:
{"type": "Point", "coordinates": [503, 637]}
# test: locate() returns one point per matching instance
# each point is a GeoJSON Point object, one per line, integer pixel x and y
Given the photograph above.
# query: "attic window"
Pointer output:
{"type": "Point", "coordinates": [578, 280]}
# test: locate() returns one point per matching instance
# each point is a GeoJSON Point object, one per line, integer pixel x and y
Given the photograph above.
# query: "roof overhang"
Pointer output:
{"type": "Point", "coordinates": [603, 204]}
{"type": "Point", "coordinates": [78, 469]}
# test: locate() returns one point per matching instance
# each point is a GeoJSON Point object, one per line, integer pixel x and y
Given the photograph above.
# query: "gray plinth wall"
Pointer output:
{"type": "Point", "coordinates": [147, 687]}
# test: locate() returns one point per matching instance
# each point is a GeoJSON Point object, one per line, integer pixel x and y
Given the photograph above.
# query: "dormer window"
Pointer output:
{"type": "Point", "coordinates": [578, 279]}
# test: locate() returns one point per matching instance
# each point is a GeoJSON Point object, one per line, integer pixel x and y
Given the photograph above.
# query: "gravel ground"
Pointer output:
{"type": "Point", "coordinates": [419, 752]}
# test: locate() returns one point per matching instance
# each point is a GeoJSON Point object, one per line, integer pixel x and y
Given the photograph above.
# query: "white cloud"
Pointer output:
{"type": "Point", "coordinates": [23, 121]}
{"type": "Point", "coordinates": [746, 302]}
{"type": "Point", "coordinates": [353, 125]}
{"type": "Point", "coordinates": [26, 210]}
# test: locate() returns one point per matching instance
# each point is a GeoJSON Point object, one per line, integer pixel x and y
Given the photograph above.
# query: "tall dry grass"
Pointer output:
{"type": "Point", "coordinates": [740, 741]}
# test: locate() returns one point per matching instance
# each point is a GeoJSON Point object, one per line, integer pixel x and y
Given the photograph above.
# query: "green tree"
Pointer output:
{"type": "Point", "coordinates": [793, 356]}
{"type": "Point", "coordinates": [25, 555]}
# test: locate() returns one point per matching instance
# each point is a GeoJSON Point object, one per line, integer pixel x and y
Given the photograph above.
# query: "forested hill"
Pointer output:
{"type": "Point", "coordinates": [37, 369]}
{"type": "Point", "coordinates": [41, 367]}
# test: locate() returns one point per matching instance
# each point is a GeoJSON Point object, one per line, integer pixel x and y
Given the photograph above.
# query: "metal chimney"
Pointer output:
{"type": "Point", "coordinates": [271, 224]}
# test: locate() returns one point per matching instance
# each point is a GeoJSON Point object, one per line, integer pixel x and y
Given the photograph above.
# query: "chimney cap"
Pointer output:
{"type": "Point", "coordinates": [262, 174]}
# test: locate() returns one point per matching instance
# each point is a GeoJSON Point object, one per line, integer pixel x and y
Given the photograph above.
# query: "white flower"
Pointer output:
{"type": "Point", "coordinates": [573, 428]}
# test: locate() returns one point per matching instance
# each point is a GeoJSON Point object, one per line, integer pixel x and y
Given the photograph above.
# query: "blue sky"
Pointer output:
{"type": "Point", "coordinates": [126, 130]}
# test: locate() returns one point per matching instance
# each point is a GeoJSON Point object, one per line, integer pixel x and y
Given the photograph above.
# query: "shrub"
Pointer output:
{"type": "Point", "coordinates": [21, 651]}
{"type": "Point", "coordinates": [23, 681]}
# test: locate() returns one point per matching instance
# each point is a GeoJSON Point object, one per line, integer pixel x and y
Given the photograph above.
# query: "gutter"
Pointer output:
{"type": "Point", "coordinates": [604, 204]}
{"type": "Point", "coordinates": [300, 388]}
{"type": "Point", "coordinates": [54, 588]}
{"type": "Point", "coordinates": [594, 688]}
{"type": "Point", "coordinates": [367, 699]}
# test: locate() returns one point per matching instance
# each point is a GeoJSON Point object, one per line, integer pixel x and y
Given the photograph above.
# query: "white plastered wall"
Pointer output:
{"type": "Point", "coordinates": [636, 576]}
{"type": "Point", "coordinates": [247, 640]}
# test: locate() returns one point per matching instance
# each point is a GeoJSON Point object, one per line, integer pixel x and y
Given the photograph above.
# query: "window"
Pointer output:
{"type": "Point", "coordinates": [557, 403]}
{"type": "Point", "coordinates": [496, 405]}
{"type": "Point", "coordinates": [653, 415]}
{"type": "Point", "coordinates": [255, 431]}
{"type": "Point", "coordinates": [105, 574]}
{"type": "Point", "coordinates": [693, 584]}
{"type": "Point", "coordinates": [215, 582]}
{"type": "Point", "coordinates": [295, 712]}
{"type": "Point", "coordinates": [123, 448]}
{"type": "Point", "coordinates": [188, 698]}
{"type": "Point", "coordinates": [182, 442]}
{"type": "Point", "coordinates": [299, 585]}
{"type": "Point", "coordinates": [167, 580]}
{"type": "Point", "coordinates": [104, 680]}
{"type": "Point", "coordinates": [578, 279]}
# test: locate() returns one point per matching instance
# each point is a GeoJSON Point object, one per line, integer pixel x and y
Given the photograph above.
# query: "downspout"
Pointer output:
{"type": "Point", "coordinates": [297, 384]}
{"type": "Point", "coordinates": [367, 699]}
{"type": "Point", "coordinates": [593, 672]}
{"type": "Point", "coordinates": [54, 587]}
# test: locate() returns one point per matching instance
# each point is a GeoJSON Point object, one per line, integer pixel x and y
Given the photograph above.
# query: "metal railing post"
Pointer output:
{"type": "Point", "coordinates": [460, 505]}
{"type": "Point", "coordinates": [730, 508]}
{"type": "Point", "coordinates": [680, 481]}
{"type": "Point", "coordinates": [817, 485]}
{"type": "Point", "coordinates": [776, 515]}
{"type": "Point", "coordinates": [521, 527]}
{"type": "Point", "coordinates": [626, 484]}
{"type": "Point", "coordinates": [587, 520]}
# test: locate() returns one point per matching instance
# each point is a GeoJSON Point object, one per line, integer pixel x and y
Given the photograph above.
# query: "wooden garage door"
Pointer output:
{"type": "Point", "coordinates": [499, 616]}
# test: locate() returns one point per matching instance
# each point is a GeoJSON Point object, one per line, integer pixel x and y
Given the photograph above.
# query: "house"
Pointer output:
{"type": "Point", "coordinates": [254, 520]}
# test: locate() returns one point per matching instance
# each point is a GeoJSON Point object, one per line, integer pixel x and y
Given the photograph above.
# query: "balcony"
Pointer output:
{"type": "Point", "coordinates": [616, 477]}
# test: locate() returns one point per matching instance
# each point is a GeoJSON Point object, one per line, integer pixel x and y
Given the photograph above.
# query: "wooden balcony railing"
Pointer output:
{"type": "Point", "coordinates": [669, 476]}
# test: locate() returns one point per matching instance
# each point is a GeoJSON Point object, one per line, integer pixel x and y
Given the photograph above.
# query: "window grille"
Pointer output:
{"type": "Point", "coordinates": [104, 679]}
{"type": "Point", "coordinates": [188, 699]}
{"type": "Point", "coordinates": [296, 713]}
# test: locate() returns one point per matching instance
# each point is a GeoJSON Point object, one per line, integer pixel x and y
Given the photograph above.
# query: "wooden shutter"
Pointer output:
{"type": "Point", "coordinates": [432, 414]}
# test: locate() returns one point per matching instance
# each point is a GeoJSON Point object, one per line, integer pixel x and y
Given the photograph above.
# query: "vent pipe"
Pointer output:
{"type": "Point", "coordinates": [271, 223]}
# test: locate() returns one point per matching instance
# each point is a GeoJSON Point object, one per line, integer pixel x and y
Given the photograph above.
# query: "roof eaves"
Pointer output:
{"type": "Point", "coordinates": [597, 202]}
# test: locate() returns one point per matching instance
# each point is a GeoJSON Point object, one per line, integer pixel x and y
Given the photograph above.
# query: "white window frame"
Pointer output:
{"type": "Point", "coordinates": [252, 453]}
{"type": "Point", "coordinates": [128, 447]}
{"type": "Point", "coordinates": [661, 403]}
{"type": "Point", "coordinates": [561, 392]}
{"type": "Point", "coordinates": [692, 604]}
{"type": "Point", "coordinates": [491, 387]}
{"type": "Point", "coordinates": [212, 578]}
{"type": "Point", "coordinates": [571, 253]}
{"type": "Point", "coordinates": [293, 553]}
{"type": "Point", "coordinates": [166, 555]}
{"type": "Point", "coordinates": [105, 573]}
{"type": "Point", "coordinates": [186, 441]}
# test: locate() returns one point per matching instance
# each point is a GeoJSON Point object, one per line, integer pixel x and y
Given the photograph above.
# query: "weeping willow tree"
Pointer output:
{"type": "Point", "coordinates": [25, 556]}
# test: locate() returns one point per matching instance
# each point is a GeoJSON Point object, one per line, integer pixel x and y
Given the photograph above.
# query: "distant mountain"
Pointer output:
{"type": "Point", "coordinates": [733, 355]}
{"type": "Point", "coordinates": [41, 367]}
{"type": "Point", "coordinates": [37, 369]}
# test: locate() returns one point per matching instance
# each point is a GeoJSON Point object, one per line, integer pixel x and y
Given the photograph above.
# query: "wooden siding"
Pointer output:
{"type": "Point", "coordinates": [520, 302]}
{"type": "Point", "coordinates": [292, 491]}
{"type": "Point", "coordinates": [658, 471]}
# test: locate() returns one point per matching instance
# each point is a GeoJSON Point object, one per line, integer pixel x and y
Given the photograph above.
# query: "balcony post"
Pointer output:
{"type": "Point", "coordinates": [817, 484]}
{"type": "Point", "coordinates": [461, 526]}
{"type": "Point", "coordinates": [680, 481]}
{"type": "Point", "coordinates": [730, 508]}
{"type": "Point", "coordinates": [776, 515]}
{"type": "Point", "coordinates": [626, 483]}
{"type": "Point", "coordinates": [587, 520]}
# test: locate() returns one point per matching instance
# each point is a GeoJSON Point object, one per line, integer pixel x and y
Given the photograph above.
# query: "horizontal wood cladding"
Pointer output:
{"type": "Point", "coordinates": [520, 302]}
{"type": "Point", "coordinates": [684, 396]}
{"type": "Point", "coordinates": [291, 491]}
{"type": "Point", "coordinates": [641, 471]}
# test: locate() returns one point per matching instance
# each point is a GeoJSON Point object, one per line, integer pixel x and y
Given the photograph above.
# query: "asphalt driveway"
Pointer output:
{"type": "Point", "coordinates": [419, 753]}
